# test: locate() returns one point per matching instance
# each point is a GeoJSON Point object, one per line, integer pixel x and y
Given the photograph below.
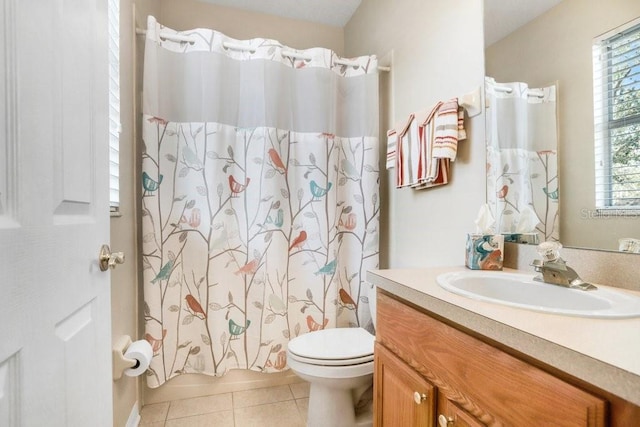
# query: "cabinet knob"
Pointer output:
{"type": "Point", "coordinates": [419, 397]}
{"type": "Point", "coordinates": [444, 421]}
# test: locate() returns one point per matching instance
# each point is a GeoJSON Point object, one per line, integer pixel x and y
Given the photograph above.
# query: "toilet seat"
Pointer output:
{"type": "Point", "coordinates": [333, 347]}
{"type": "Point", "coordinates": [331, 362]}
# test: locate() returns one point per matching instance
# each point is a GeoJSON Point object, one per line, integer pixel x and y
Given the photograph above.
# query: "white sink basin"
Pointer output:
{"type": "Point", "coordinates": [520, 290]}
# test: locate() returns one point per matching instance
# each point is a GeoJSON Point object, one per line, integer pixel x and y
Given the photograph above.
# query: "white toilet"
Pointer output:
{"type": "Point", "coordinates": [338, 363]}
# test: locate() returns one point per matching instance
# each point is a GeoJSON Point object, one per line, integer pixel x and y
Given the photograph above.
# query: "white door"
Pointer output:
{"type": "Point", "coordinates": [55, 362]}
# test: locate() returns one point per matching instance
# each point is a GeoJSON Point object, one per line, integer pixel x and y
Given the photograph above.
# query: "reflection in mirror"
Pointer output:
{"type": "Point", "coordinates": [556, 47]}
{"type": "Point", "coordinates": [522, 163]}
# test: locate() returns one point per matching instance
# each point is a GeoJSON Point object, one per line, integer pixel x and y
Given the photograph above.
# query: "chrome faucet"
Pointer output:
{"type": "Point", "coordinates": [554, 270]}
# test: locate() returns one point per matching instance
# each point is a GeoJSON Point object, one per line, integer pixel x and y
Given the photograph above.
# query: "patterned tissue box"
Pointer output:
{"type": "Point", "coordinates": [484, 251]}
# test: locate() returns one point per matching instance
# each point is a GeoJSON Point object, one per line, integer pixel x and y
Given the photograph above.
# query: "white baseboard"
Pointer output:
{"type": "Point", "coordinates": [134, 416]}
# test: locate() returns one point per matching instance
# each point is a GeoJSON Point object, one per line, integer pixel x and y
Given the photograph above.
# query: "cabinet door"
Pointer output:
{"type": "Point", "coordinates": [450, 415]}
{"type": "Point", "coordinates": [401, 397]}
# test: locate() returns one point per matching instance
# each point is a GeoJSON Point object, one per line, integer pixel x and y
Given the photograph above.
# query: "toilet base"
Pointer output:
{"type": "Point", "coordinates": [364, 420]}
{"type": "Point", "coordinates": [329, 406]}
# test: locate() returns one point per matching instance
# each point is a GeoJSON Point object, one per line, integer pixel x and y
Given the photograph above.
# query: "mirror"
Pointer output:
{"type": "Point", "coordinates": [550, 42]}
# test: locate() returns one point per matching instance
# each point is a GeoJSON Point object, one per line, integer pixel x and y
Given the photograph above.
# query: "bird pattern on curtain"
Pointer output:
{"type": "Point", "coordinates": [251, 237]}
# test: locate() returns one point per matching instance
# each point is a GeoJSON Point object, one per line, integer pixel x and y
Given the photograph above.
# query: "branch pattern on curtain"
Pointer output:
{"type": "Point", "coordinates": [522, 159]}
{"type": "Point", "coordinates": [253, 234]}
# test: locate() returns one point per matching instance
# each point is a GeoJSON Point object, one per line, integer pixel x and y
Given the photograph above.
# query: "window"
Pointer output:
{"type": "Point", "coordinates": [616, 60]}
{"type": "Point", "coordinates": [114, 105]}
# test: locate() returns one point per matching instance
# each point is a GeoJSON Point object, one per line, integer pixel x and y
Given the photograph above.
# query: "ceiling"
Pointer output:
{"type": "Point", "coordinates": [330, 12]}
{"type": "Point", "coordinates": [501, 16]}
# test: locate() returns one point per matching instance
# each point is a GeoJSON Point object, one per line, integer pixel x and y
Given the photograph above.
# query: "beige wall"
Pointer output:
{"type": "Point", "coordinates": [124, 279]}
{"type": "Point", "coordinates": [557, 47]}
{"type": "Point", "coordinates": [437, 54]}
{"type": "Point", "coordinates": [240, 24]}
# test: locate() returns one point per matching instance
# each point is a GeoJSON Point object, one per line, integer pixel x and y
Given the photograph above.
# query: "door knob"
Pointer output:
{"type": "Point", "coordinates": [108, 259]}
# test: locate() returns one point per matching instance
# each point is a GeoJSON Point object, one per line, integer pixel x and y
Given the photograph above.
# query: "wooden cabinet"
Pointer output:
{"type": "Point", "coordinates": [467, 382]}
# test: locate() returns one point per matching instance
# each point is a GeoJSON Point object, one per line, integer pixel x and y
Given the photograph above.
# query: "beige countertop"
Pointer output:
{"type": "Point", "coordinates": [603, 352]}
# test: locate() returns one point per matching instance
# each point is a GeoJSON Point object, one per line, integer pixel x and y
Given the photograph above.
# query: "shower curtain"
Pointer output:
{"type": "Point", "coordinates": [522, 158]}
{"type": "Point", "coordinates": [259, 198]}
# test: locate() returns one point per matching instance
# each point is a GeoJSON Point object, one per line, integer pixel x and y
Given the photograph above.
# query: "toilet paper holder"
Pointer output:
{"type": "Point", "coordinates": [121, 363]}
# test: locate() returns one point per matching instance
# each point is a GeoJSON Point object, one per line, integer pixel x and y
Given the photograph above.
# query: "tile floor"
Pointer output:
{"type": "Point", "coordinates": [279, 406]}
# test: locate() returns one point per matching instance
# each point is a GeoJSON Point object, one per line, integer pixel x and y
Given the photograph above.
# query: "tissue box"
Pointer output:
{"type": "Point", "coordinates": [484, 251]}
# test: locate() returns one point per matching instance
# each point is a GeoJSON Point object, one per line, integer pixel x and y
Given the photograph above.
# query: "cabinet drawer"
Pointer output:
{"type": "Point", "coordinates": [491, 385]}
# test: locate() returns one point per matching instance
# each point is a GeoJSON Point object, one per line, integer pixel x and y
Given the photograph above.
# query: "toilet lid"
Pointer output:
{"type": "Point", "coordinates": [338, 344]}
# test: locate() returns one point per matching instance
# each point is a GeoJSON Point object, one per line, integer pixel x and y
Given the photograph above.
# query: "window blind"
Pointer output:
{"type": "Point", "coordinates": [616, 60]}
{"type": "Point", "coordinates": [114, 104]}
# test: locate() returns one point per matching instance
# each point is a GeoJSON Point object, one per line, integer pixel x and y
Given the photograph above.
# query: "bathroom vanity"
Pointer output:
{"type": "Point", "coordinates": [446, 360]}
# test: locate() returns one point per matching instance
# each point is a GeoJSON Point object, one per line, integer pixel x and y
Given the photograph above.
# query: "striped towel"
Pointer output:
{"type": "Point", "coordinates": [414, 162]}
{"type": "Point", "coordinates": [415, 165]}
{"type": "Point", "coordinates": [405, 152]}
{"type": "Point", "coordinates": [449, 129]}
{"type": "Point", "coordinates": [422, 147]}
{"type": "Point", "coordinates": [462, 134]}
{"type": "Point", "coordinates": [392, 141]}
{"type": "Point", "coordinates": [429, 172]}
{"type": "Point", "coordinates": [441, 178]}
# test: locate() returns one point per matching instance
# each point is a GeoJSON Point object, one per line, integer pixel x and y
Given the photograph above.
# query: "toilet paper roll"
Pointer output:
{"type": "Point", "coordinates": [142, 352]}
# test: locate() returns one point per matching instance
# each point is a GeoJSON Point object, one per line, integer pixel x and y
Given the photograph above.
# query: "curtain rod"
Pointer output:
{"type": "Point", "coordinates": [346, 62]}
{"type": "Point", "coordinates": [537, 93]}
{"type": "Point", "coordinates": [502, 89]}
{"type": "Point", "coordinates": [236, 46]}
{"type": "Point", "coordinates": [169, 36]}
